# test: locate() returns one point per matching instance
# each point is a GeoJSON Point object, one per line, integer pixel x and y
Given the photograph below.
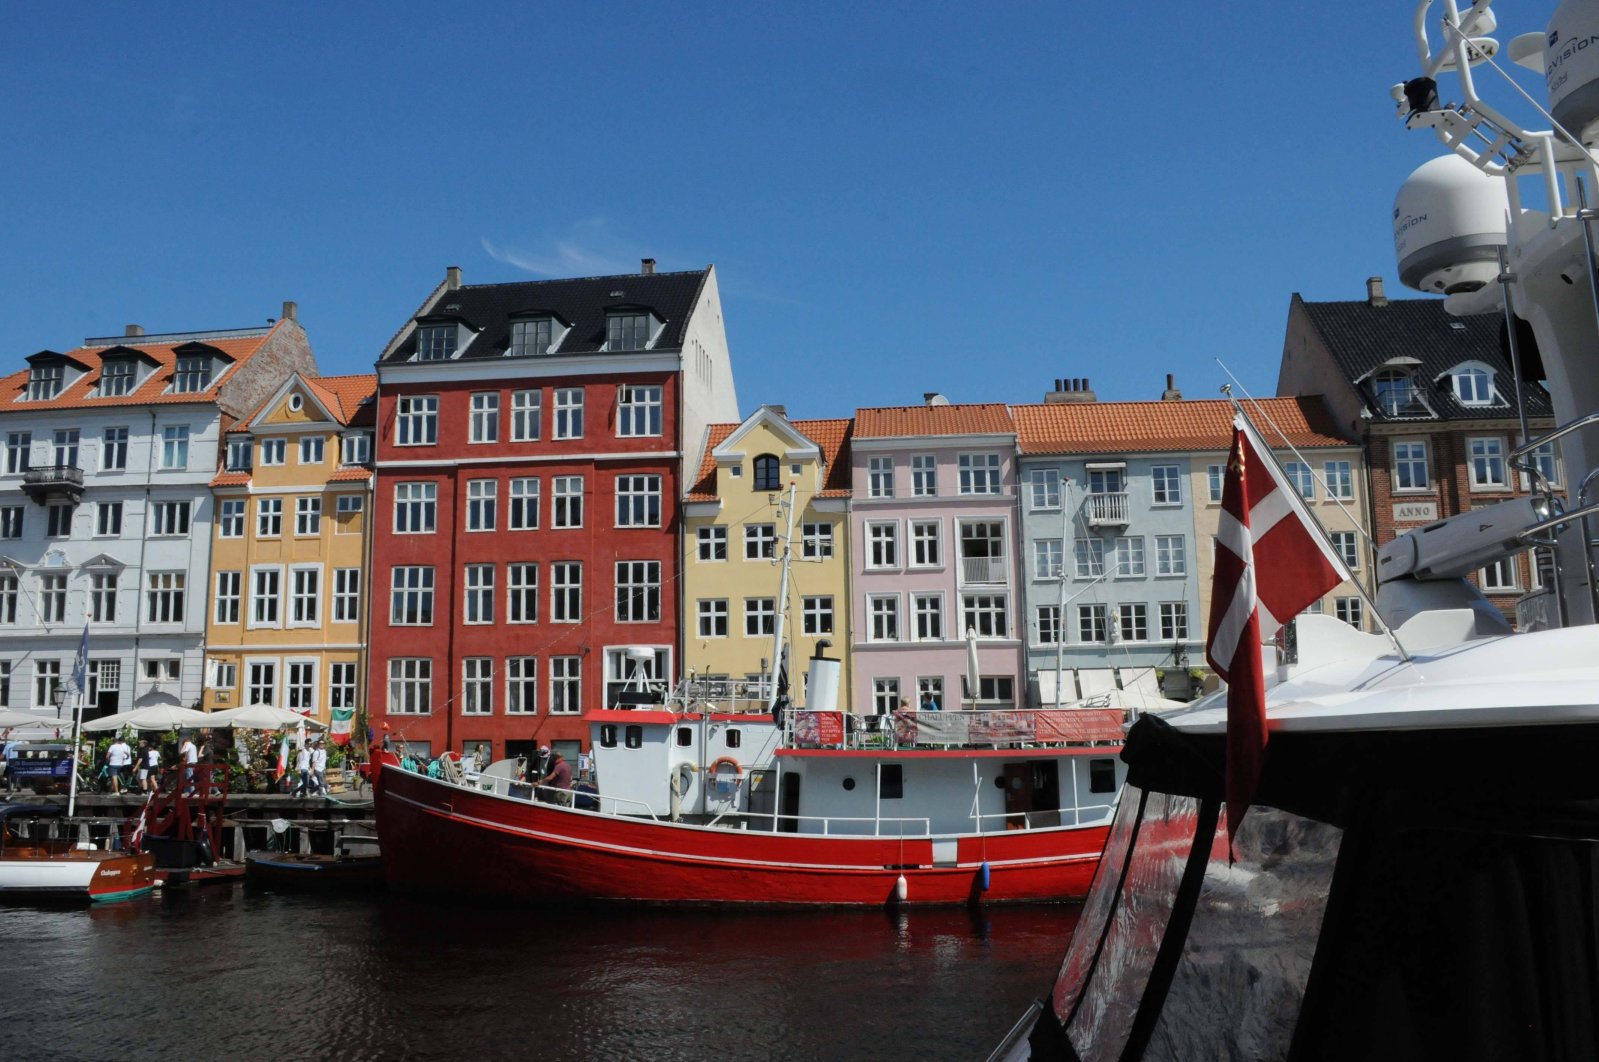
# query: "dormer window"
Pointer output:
{"type": "Point", "coordinates": [117, 378]}
{"type": "Point", "coordinates": [192, 375]}
{"type": "Point", "coordinates": [1473, 384]}
{"type": "Point", "coordinates": [1396, 393]}
{"type": "Point", "coordinates": [627, 331]}
{"type": "Point", "coordinates": [768, 473]}
{"type": "Point", "coordinates": [436, 342]}
{"type": "Point", "coordinates": [239, 454]}
{"type": "Point", "coordinates": [44, 382]}
{"type": "Point", "coordinates": [532, 337]}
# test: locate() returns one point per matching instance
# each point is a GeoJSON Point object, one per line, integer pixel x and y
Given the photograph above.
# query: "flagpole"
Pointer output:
{"type": "Point", "coordinates": [1270, 455]}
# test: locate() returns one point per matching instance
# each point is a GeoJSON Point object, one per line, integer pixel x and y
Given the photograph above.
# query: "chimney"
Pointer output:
{"type": "Point", "coordinates": [646, 266]}
{"type": "Point", "coordinates": [133, 330]}
{"type": "Point", "coordinates": [452, 278]}
{"type": "Point", "coordinates": [1059, 394]}
{"type": "Point", "coordinates": [291, 310]}
{"type": "Point", "coordinates": [1171, 394]}
{"type": "Point", "coordinates": [1374, 295]}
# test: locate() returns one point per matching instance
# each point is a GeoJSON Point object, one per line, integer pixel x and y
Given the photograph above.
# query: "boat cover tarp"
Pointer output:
{"type": "Point", "coordinates": [1404, 894]}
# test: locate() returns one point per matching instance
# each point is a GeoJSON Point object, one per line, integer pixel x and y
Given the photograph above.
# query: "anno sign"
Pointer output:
{"type": "Point", "coordinates": [1417, 512]}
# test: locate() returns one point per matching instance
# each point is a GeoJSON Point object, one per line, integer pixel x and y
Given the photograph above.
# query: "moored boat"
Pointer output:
{"type": "Point", "coordinates": [316, 871]}
{"type": "Point", "coordinates": [40, 869]}
{"type": "Point", "coordinates": [699, 804]}
{"type": "Point", "coordinates": [1415, 876]}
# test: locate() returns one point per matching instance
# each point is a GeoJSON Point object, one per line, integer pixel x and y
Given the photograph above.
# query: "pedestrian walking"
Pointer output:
{"type": "Point", "coordinates": [302, 768]}
{"type": "Point", "coordinates": [118, 758]}
{"type": "Point", "coordinates": [319, 768]}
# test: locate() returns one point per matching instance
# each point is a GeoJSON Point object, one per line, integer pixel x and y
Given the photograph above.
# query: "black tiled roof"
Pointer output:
{"type": "Point", "coordinates": [490, 308]}
{"type": "Point", "coordinates": [1361, 337]}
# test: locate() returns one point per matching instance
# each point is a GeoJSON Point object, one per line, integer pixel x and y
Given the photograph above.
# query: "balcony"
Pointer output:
{"type": "Point", "coordinates": [977, 571]}
{"type": "Point", "coordinates": [54, 483]}
{"type": "Point", "coordinates": [1107, 510]}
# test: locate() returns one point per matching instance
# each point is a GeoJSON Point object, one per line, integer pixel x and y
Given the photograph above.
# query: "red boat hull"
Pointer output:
{"type": "Point", "coordinates": [443, 838]}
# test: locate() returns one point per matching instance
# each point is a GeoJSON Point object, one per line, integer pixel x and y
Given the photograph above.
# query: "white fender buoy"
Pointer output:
{"type": "Point", "coordinates": [900, 888]}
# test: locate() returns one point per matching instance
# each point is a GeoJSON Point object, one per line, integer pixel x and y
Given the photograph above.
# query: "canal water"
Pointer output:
{"type": "Point", "coordinates": [230, 971]}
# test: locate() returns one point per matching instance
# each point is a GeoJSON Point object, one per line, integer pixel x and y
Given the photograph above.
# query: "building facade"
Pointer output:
{"type": "Point", "coordinates": [288, 586]}
{"type": "Point", "coordinates": [933, 529]}
{"type": "Point", "coordinates": [532, 447]}
{"type": "Point", "coordinates": [106, 508]}
{"type": "Point", "coordinates": [736, 530]}
{"type": "Point", "coordinates": [1431, 398]}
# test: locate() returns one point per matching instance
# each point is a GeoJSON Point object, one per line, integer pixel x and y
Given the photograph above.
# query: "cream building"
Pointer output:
{"type": "Point", "coordinates": [736, 528]}
{"type": "Point", "coordinates": [288, 585]}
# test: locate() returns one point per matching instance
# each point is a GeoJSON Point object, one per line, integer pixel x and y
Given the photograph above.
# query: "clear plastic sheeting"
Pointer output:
{"type": "Point", "coordinates": [1100, 1028]}
{"type": "Point", "coordinates": [1241, 978]}
{"type": "Point", "coordinates": [1101, 894]}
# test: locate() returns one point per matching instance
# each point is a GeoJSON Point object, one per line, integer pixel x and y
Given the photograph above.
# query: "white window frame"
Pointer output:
{"type": "Point", "coordinates": [484, 422]}
{"type": "Point", "coordinates": [1043, 489]}
{"type": "Point", "coordinates": [568, 413]}
{"type": "Point", "coordinates": [1489, 452]}
{"type": "Point", "coordinates": [522, 592]}
{"type": "Point", "coordinates": [482, 505]}
{"type": "Point", "coordinates": [267, 591]}
{"type": "Point", "coordinates": [477, 594]}
{"type": "Point", "coordinates": [924, 475]}
{"type": "Point", "coordinates": [566, 503]}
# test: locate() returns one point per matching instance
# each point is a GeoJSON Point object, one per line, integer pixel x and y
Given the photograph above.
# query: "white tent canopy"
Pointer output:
{"type": "Point", "coordinates": [10, 719]}
{"type": "Point", "coordinates": [154, 717]}
{"type": "Point", "coordinates": [262, 717]}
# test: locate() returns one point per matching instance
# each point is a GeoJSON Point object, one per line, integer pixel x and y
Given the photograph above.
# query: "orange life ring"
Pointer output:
{"type": "Point", "coordinates": [738, 771]}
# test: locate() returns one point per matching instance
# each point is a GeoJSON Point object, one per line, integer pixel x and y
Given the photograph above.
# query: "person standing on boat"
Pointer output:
{"type": "Point", "coordinates": [118, 758]}
{"type": "Point", "coordinates": [556, 785]}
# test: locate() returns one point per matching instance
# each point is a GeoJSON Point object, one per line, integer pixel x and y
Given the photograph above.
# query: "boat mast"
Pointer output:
{"type": "Point", "coordinates": [782, 604]}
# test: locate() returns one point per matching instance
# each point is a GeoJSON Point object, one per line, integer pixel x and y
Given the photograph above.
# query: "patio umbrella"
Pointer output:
{"type": "Point", "coordinates": [261, 717]}
{"type": "Point", "coordinates": [10, 719]}
{"type": "Point", "coordinates": [971, 666]}
{"type": "Point", "coordinates": [153, 717]}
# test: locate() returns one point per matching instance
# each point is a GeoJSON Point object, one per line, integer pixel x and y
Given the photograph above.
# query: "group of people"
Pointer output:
{"type": "Point", "coordinates": [551, 776]}
{"type": "Point", "coordinates": [311, 769]}
{"type": "Point", "coordinates": [124, 765]}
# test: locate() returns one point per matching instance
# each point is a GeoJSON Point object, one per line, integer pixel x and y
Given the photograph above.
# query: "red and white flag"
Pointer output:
{"type": "Point", "coordinates": [1272, 562]}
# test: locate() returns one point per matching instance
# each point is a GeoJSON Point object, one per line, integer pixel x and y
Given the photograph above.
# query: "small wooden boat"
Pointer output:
{"type": "Point", "coordinates": [292, 870]}
{"type": "Point", "coordinates": [39, 869]}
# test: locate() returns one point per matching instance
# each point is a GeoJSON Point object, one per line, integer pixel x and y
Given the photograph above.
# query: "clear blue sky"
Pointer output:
{"type": "Point", "coordinates": [973, 199]}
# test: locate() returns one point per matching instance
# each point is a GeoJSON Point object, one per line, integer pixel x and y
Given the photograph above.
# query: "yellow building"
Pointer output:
{"type": "Point", "coordinates": [287, 623]}
{"type": "Point", "coordinates": [736, 522]}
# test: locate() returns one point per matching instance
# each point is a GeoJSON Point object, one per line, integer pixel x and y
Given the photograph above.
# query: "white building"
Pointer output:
{"type": "Point", "coordinates": [106, 508]}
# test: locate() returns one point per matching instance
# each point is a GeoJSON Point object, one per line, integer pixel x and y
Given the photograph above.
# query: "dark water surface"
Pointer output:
{"type": "Point", "coordinates": [225, 971]}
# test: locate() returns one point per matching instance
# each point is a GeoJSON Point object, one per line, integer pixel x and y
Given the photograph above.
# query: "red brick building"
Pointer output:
{"type": "Point", "coordinates": [530, 451]}
{"type": "Point", "coordinates": [1432, 399]}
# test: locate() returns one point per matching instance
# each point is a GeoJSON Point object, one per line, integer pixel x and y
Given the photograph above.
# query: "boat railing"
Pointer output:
{"type": "Point", "coordinates": [1079, 815]}
{"type": "Point", "coordinates": [981, 728]}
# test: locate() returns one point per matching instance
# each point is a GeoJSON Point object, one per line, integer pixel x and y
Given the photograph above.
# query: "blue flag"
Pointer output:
{"type": "Point", "coordinates": [80, 666]}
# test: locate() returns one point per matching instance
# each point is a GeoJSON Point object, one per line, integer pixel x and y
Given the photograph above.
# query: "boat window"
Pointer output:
{"type": "Point", "coordinates": [608, 736]}
{"type": "Point", "coordinates": [735, 738]}
{"type": "Point", "coordinates": [891, 782]}
{"type": "Point", "coordinates": [1101, 776]}
{"type": "Point", "coordinates": [634, 736]}
{"type": "Point", "coordinates": [849, 785]}
{"type": "Point", "coordinates": [685, 737]}
{"type": "Point", "coordinates": [999, 781]}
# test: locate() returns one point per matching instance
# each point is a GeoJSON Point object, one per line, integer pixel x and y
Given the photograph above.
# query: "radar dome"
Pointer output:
{"type": "Point", "coordinates": [1449, 223]}
{"type": "Point", "coordinates": [1571, 62]}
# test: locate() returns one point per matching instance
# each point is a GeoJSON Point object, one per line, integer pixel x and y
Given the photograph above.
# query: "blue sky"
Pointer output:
{"type": "Point", "coordinates": [972, 199]}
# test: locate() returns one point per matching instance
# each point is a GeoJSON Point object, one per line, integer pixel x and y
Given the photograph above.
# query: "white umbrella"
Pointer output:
{"type": "Point", "coordinates": [261, 717]}
{"type": "Point", "coordinates": [10, 719]}
{"type": "Point", "coordinates": [971, 666]}
{"type": "Point", "coordinates": [154, 717]}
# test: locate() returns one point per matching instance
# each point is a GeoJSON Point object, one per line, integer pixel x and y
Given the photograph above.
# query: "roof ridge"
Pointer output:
{"type": "Point", "coordinates": [597, 276]}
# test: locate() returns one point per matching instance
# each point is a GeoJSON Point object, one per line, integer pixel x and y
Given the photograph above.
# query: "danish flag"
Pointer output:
{"type": "Point", "coordinates": [1272, 562]}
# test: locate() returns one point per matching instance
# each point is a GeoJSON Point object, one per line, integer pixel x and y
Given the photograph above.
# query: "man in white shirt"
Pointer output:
{"type": "Point", "coordinates": [188, 755]}
{"type": "Point", "coordinates": [319, 768]}
{"type": "Point", "coordinates": [302, 766]}
{"type": "Point", "coordinates": [117, 760]}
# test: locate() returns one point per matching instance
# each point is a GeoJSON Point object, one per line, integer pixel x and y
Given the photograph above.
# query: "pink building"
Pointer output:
{"type": "Point", "coordinates": [935, 533]}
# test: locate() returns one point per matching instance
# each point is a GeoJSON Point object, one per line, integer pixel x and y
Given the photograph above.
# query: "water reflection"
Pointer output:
{"type": "Point", "coordinates": [222, 970]}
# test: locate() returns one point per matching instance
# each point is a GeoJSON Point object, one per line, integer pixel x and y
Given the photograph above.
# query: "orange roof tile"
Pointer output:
{"type": "Point", "coordinates": [831, 436]}
{"type": "Point", "coordinates": [889, 422]}
{"type": "Point", "coordinates": [1143, 427]}
{"type": "Point", "coordinates": [231, 479]}
{"type": "Point", "coordinates": [153, 389]}
{"type": "Point", "coordinates": [346, 475]}
{"type": "Point", "coordinates": [348, 397]}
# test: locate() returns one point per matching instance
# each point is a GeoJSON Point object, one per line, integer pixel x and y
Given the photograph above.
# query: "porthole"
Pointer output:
{"type": "Point", "coordinates": [849, 784]}
{"type": "Point", "coordinates": [633, 737]}
{"type": "Point", "coordinates": [608, 736]}
{"type": "Point", "coordinates": [999, 781]}
{"type": "Point", "coordinates": [734, 739]}
{"type": "Point", "coordinates": [685, 737]}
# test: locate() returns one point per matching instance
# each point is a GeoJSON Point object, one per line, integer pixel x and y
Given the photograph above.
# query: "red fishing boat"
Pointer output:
{"type": "Point", "coordinates": [698, 803]}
